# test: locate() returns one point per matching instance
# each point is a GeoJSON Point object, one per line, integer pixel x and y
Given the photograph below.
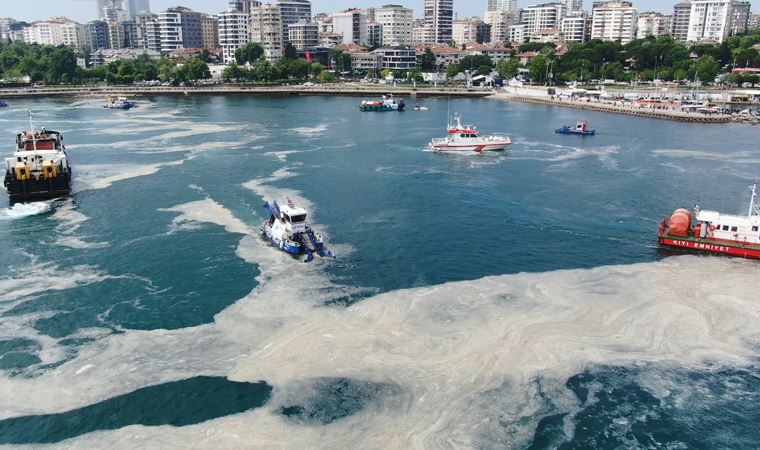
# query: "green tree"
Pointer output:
{"type": "Point", "coordinates": [706, 69]}
{"type": "Point", "coordinates": [452, 71]}
{"type": "Point", "coordinates": [508, 68]}
{"type": "Point", "coordinates": [415, 75]}
{"type": "Point", "coordinates": [263, 70]}
{"type": "Point", "coordinates": [194, 69]}
{"type": "Point", "coordinates": [427, 61]}
{"type": "Point", "coordinates": [249, 53]}
{"type": "Point", "coordinates": [537, 69]}
{"type": "Point", "coordinates": [290, 52]}
{"type": "Point", "coordinates": [234, 73]}
{"type": "Point", "coordinates": [326, 77]}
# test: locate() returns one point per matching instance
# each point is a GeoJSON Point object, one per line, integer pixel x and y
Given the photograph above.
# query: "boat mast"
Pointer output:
{"type": "Point", "coordinates": [752, 207]}
{"type": "Point", "coordinates": [31, 128]}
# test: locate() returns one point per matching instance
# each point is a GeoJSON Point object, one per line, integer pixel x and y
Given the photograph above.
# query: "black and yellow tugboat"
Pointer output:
{"type": "Point", "coordinates": [39, 168]}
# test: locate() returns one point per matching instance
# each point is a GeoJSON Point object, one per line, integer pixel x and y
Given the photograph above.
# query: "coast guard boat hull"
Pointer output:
{"type": "Point", "coordinates": [713, 232]}
{"type": "Point", "coordinates": [467, 140]}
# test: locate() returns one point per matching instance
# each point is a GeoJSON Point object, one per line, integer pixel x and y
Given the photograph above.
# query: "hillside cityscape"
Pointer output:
{"type": "Point", "coordinates": [558, 41]}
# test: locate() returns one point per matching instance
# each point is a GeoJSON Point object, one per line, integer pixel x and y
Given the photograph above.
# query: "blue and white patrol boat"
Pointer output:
{"type": "Point", "coordinates": [287, 229]}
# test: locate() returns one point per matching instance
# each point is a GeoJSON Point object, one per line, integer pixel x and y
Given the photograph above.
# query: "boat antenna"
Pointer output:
{"type": "Point", "coordinates": [31, 128]}
{"type": "Point", "coordinates": [753, 209]}
{"type": "Point", "coordinates": [448, 112]}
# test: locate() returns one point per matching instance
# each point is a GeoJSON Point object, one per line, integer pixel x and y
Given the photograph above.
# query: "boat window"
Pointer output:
{"type": "Point", "coordinates": [298, 218]}
{"type": "Point", "coordinates": [725, 227]}
{"type": "Point", "coordinates": [285, 217]}
{"type": "Point", "coordinates": [733, 228]}
{"type": "Point", "coordinates": [462, 135]}
{"type": "Point", "coordinates": [754, 228]}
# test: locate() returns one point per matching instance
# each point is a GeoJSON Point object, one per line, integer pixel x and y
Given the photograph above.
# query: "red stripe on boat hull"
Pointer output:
{"type": "Point", "coordinates": [703, 245]}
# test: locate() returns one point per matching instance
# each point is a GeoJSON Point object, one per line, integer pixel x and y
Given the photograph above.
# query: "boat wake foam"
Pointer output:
{"type": "Point", "coordinates": [310, 131]}
{"type": "Point", "coordinates": [21, 210]}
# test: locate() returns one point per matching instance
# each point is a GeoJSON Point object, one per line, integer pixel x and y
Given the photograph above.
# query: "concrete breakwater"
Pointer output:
{"type": "Point", "coordinates": [632, 110]}
{"type": "Point", "coordinates": [332, 89]}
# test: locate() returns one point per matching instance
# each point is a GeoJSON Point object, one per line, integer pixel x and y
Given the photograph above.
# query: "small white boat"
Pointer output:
{"type": "Point", "coordinates": [118, 103]}
{"type": "Point", "coordinates": [467, 140]}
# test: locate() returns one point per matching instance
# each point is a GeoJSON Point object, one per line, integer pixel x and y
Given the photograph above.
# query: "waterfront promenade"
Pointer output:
{"type": "Point", "coordinates": [358, 90]}
{"type": "Point", "coordinates": [627, 108]}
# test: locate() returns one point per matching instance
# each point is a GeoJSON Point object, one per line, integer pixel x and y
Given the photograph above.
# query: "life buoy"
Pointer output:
{"type": "Point", "coordinates": [711, 232]}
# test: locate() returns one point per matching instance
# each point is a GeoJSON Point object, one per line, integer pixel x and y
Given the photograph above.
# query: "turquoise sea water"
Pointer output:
{"type": "Point", "coordinates": [507, 300]}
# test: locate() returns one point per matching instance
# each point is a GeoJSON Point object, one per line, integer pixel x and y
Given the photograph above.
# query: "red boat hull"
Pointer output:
{"type": "Point", "coordinates": [719, 247]}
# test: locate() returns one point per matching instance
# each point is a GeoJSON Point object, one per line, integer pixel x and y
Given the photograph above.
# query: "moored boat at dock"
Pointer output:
{"type": "Point", "coordinates": [288, 229]}
{"type": "Point", "coordinates": [467, 140]}
{"type": "Point", "coordinates": [713, 231]}
{"type": "Point", "coordinates": [387, 103]}
{"type": "Point", "coordinates": [39, 168]}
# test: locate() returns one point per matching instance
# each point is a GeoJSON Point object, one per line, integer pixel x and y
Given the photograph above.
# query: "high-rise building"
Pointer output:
{"type": "Point", "coordinates": [234, 32]}
{"type": "Point", "coordinates": [303, 35]}
{"type": "Point", "coordinates": [266, 30]}
{"type": "Point", "coordinates": [374, 34]}
{"type": "Point", "coordinates": [754, 22]}
{"type": "Point", "coordinates": [56, 31]}
{"type": "Point", "coordinates": [293, 11]}
{"type": "Point", "coordinates": [502, 5]}
{"type": "Point", "coordinates": [352, 24]}
{"type": "Point", "coordinates": [122, 34]}
{"type": "Point", "coordinates": [102, 5]}
{"type": "Point", "coordinates": [135, 7]}
{"type": "Point", "coordinates": [97, 35]}
{"type": "Point", "coordinates": [547, 16]}
{"type": "Point", "coordinates": [209, 32]}
{"type": "Point", "coordinates": [740, 14]}
{"type": "Point", "coordinates": [499, 21]}
{"type": "Point", "coordinates": [679, 22]}
{"type": "Point", "coordinates": [152, 35]}
{"type": "Point", "coordinates": [439, 15]}
{"type": "Point", "coordinates": [465, 31]}
{"type": "Point", "coordinates": [180, 28]}
{"type": "Point", "coordinates": [243, 5]}
{"type": "Point", "coordinates": [576, 27]}
{"type": "Point", "coordinates": [142, 22]}
{"type": "Point", "coordinates": [517, 32]}
{"type": "Point", "coordinates": [397, 23]}
{"type": "Point", "coordinates": [423, 34]}
{"type": "Point", "coordinates": [710, 20]}
{"type": "Point", "coordinates": [572, 6]}
{"type": "Point", "coordinates": [614, 21]}
{"type": "Point", "coordinates": [652, 24]}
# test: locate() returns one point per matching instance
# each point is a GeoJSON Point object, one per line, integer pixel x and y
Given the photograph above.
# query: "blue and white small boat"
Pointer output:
{"type": "Point", "coordinates": [3, 104]}
{"type": "Point", "coordinates": [581, 128]}
{"type": "Point", "coordinates": [119, 103]}
{"type": "Point", "coordinates": [287, 229]}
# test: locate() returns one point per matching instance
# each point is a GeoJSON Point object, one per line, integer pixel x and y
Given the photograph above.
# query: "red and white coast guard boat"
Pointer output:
{"type": "Point", "coordinates": [714, 232]}
{"type": "Point", "coordinates": [467, 140]}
